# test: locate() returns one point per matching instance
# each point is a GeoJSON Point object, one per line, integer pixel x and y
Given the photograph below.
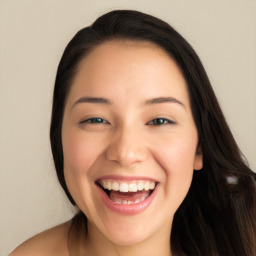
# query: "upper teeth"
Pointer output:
{"type": "Point", "coordinates": [132, 186]}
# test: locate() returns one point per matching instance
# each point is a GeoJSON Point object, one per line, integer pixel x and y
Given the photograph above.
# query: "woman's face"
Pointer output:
{"type": "Point", "coordinates": [129, 141]}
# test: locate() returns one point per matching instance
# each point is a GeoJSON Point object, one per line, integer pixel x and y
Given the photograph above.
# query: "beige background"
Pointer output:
{"type": "Point", "coordinates": [33, 34]}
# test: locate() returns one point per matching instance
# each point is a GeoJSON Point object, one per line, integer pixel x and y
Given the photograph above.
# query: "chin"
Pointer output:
{"type": "Point", "coordinates": [125, 240]}
{"type": "Point", "coordinates": [129, 233]}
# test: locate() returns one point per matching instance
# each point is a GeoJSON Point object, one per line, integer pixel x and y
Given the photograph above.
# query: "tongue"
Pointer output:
{"type": "Point", "coordinates": [116, 196]}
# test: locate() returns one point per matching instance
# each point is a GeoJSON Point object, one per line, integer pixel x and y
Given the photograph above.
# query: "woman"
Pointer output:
{"type": "Point", "coordinates": [141, 146]}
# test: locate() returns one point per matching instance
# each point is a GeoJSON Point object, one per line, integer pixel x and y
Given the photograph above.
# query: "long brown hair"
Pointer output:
{"type": "Point", "coordinates": [218, 215]}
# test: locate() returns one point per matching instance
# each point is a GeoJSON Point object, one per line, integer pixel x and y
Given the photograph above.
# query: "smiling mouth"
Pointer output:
{"type": "Point", "coordinates": [132, 192]}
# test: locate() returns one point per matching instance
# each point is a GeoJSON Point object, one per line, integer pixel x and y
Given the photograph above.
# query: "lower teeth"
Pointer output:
{"type": "Point", "coordinates": [120, 201]}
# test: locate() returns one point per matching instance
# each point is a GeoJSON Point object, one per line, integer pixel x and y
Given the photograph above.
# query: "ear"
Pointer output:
{"type": "Point", "coordinates": [198, 162]}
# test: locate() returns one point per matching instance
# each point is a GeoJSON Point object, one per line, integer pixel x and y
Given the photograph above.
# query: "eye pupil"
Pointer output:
{"type": "Point", "coordinates": [158, 121]}
{"type": "Point", "coordinates": [95, 120]}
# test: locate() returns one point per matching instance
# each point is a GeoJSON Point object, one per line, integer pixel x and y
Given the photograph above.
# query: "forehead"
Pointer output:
{"type": "Point", "coordinates": [128, 67]}
{"type": "Point", "coordinates": [128, 53]}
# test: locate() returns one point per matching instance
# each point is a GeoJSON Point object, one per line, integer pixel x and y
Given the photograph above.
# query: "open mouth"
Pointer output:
{"type": "Point", "coordinates": [132, 192]}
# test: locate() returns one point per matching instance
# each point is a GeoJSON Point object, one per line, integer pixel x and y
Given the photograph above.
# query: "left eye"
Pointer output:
{"type": "Point", "coordinates": [160, 121]}
{"type": "Point", "coordinates": [95, 120]}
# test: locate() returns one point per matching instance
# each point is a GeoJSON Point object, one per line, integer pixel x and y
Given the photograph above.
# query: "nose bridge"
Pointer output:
{"type": "Point", "coordinates": [126, 146]}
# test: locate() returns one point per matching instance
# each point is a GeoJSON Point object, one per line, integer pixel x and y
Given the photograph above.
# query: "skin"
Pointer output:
{"type": "Point", "coordinates": [51, 242]}
{"type": "Point", "coordinates": [127, 143]}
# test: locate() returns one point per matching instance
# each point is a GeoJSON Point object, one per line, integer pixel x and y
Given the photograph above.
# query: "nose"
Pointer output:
{"type": "Point", "coordinates": [127, 148]}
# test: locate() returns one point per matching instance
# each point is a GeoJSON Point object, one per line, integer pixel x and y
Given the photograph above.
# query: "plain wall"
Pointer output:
{"type": "Point", "coordinates": [33, 34]}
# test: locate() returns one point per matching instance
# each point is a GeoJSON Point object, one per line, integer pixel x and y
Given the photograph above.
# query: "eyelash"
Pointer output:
{"type": "Point", "coordinates": [157, 121]}
{"type": "Point", "coordinates": [95, 120]}
{"type": "Point", "coordinates": [160, 121]}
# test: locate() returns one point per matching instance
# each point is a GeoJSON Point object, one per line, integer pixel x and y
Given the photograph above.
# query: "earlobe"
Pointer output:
{"type": "Point", "coordinates": [198, 163]}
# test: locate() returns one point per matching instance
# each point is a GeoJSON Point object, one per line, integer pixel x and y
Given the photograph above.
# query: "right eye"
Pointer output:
{"type": "Point", "coordinates": [94, 120]}
{"type": "Point", "coordinates": [160, 121]}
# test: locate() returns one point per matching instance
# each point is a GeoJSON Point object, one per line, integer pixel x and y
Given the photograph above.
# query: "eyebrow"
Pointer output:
{"type": "Point", "coordinates": [100, 100]}
{"type": "Point", "coordinates": [164, 100]}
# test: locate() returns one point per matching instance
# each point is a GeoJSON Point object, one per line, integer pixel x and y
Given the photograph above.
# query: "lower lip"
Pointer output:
{"type": "Point", "coordinates": [127, 209]}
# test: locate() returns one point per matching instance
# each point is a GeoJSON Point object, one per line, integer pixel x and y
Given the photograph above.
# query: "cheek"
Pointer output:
{"type": "Point", "coordinates": [177, 160]}
{"type": "Point", "coordinates": [79, 153]}
{"type": "Point", "coordinates": [78, 159]}
{"type": "Point", "coordinates": [178, 154]}
{"type": "Point", "coordinates": [179, 167]}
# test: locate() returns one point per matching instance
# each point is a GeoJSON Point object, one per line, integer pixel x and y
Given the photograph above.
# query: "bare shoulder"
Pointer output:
{"type": "Point", "coordinates": [50, 242]}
